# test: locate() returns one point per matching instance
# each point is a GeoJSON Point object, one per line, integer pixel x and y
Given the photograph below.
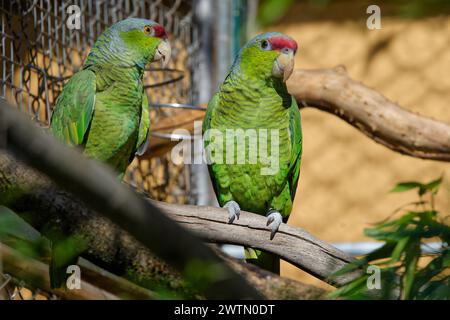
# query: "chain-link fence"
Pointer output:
{"type": "Point", "coordinates": [40, 52]}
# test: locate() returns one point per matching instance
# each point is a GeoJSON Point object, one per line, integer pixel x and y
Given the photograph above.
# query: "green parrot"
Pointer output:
{"type": "Point", "coordinates": [254, 97]}
{"type": "Point", "coordinates": [103, 108]}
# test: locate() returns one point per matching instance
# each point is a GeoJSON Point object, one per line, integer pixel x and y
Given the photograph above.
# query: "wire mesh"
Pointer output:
{"type": "Point", "coordinates": [39, 52]}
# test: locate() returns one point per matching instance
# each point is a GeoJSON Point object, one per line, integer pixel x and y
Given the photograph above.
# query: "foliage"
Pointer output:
{"type": "Point", "coordinates": [421, 8]}
{"type": "Point", "coordinates": [58, 253]}
{"type": "Point", "coordinates": [272, 11]}
{"type": "Point", "coordinates": [401, 275]}
{"type": "Point", "coordinates": [19, 235]}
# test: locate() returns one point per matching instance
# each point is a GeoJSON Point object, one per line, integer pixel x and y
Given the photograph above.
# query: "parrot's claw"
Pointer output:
{"type": "Point", "coordinates": [233, 210]}
{"type": "Point", "coordinates": [274, 218]}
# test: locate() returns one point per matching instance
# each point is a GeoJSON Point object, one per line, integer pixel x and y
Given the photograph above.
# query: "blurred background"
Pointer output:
{"type": "Point", "coordinates": [345, 177]}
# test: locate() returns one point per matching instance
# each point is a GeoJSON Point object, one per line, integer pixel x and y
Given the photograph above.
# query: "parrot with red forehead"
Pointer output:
{"type": "Point", "coordinates": [254, 99]}
{"type": "Point", "coordinates": [104, 110]}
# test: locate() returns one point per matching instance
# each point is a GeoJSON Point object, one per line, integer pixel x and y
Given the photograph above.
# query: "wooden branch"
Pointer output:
{"type": "Point", "coordinates": [182, 119]}
{"type": "Point", "coordinates": [45, 207]}
{"type": "Point", "coordinates": [273, 286]}
{"type": "Point", "coordinates": [293, 245]}
{"type": "Point", "coordinates": [97, 186]}
{"type": "Point", "coordinates": [380, 119]}
{"type": "Point", "coordinates": [50, 204]}
{"type": "Point", "coordinates": [333, 91]}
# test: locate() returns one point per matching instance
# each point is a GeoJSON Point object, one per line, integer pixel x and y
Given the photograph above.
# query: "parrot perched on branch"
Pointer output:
{"type": "Point", "coordinates": [103, 108]}
{"type": "Point", "coordinates": [254, 97]}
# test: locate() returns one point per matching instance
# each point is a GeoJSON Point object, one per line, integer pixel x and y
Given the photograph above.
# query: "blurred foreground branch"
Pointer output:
{"type": "Point", "coordinates": [45, 206]}
{"type": "Point", "coordinates": [385, 122]}
{"type": "Point", "coordinates": [99, 188]}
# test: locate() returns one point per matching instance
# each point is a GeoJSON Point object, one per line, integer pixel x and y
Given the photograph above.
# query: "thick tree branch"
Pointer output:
{"type": "Point", "coordinates": [45, 206]}
{"type": "Point", "coordinates": [333, 91]}
{"type": "Point", "coordinates": [293, 245]}
{"type": "Point", "coordinates": [98, 187]}
{"type": "Point", "coordinates": [380, 119]}
{"type": "Point", "coordinates": [41, 204]}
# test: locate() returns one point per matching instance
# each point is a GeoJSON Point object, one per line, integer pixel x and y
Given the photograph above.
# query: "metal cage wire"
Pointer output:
{"type": "Point", "coordinates": [39, 52]}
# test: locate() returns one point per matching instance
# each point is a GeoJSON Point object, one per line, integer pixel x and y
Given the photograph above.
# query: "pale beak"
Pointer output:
{"type": "Point", "coordinates": [284, 65]}
{"type": "Point", "coordinates": [163, 53]}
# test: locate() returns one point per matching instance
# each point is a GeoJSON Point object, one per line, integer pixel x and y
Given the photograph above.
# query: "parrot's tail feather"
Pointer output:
{"type": "Point", "coordinates": [264, 260]}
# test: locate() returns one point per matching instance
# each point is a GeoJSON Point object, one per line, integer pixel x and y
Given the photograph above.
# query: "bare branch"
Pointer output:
{"type": "Point", "coordinates": [380, 119]}
{"type": "Point", "coordinates": [293, 245]}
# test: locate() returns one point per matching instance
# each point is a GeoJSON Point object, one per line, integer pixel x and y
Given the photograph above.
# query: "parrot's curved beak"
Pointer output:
{"type": "Point", "coordinates": [163, 53]}
{"type": "Point", "coordinates": [284, 65]}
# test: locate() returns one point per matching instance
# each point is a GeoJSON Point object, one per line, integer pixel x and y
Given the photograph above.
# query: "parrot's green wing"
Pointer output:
{"type": "Point", "coordinates": [295, 129]}
{"type": "Point", "coordinates": [144, 127]}
{"type": "Point", "coordinates": [70, 123]}
{"type": "Point", "coordinates": [74, 108]}
{"type": "Point", "coordinates": [207, 125]}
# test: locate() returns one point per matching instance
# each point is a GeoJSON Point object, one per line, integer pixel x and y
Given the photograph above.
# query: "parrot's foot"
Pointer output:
{"type": "Point", "coordinates": [233, 210]}
{"type": "Point", "coordinates": [274, 218]}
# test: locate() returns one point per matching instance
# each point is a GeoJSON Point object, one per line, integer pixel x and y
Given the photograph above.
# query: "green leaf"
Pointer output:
{"type": "Point", "coordinates": [431, 270]}
{"type": "Point", "coordinates": [350, 288]}
{"type": "Point", "coordinates": [272, 10]}
{"type": "Point", "coordinates": [411, 259]}
{"type": "Point", "coordinates": [406, 186]}
{"type": "Point", "coordinates": [398, 251]}
{"type": "Point", "coordinates": [446, 258]}
{"type": "Point", "coordinates": [434, 185]}
{"type": "Point", "coordinates": [12, 224]}
{"type": "Point", "coordinates": [380, 253]}
{"type": "Point", "coordinates": [18, 234]}
{"type": "Point", "coordinates": [436, 290]}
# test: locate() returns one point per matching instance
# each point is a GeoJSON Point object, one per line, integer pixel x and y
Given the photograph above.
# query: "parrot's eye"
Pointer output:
{"type": "Point", "coordinates": [265, 45]}
{"type": "Point", "coordinates": [148, 30]}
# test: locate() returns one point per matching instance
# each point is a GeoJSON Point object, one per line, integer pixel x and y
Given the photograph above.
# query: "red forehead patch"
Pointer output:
{"type": "Point", "coordinates": [279, 43]}
{"type": "Point", "coordinates": [160, 32]}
